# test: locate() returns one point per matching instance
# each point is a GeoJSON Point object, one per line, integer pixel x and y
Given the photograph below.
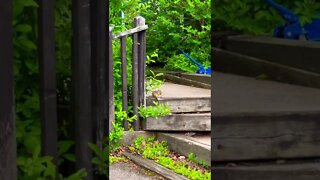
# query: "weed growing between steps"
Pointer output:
{"type": "Point", "coordinates": [192, 157]}
{"type": "Point", "coordinates": [158, 151]}
{"type": "Point", "coordinates": [155, 111]}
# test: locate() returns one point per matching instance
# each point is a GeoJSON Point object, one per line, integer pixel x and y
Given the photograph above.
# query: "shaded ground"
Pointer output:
{"type": "Point", "coordinates": [129, 170]}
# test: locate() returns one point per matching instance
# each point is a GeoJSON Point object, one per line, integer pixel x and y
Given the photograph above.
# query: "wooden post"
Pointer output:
{"type": "Point", "coordinates": [141, 60]}
{"type": "Point", "coordinates": [110, 86]}
{"type": "Point", "coordinates": [124, 80]}
{"type": "Point", "coordinates": [47, 65]}
{"type": "Point", "coordinates": [81, 79]}
{"type": "Point", "coordinates": [8, 169]}
{"type": "Point", "coordinates": [99, 34]}
{"type": "Point", "coordinates": [135, 75]}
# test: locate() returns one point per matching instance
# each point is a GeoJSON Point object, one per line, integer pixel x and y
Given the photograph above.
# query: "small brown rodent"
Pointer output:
{"type": "Point", "coordinates": [156, 94]}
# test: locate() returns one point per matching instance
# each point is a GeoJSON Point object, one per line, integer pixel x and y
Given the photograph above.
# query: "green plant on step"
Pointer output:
{"type": "Point", "coordinates": [116, 159]}
{"type": "Point", "coordinates": [153, 82]}
{"type": "Point", "coordinates": [155, 111]}
{"type": "Point", "coordinates": [182, 169]}
{"type": "Point", "coordinates": [152, 149]}
{"type": "Point", "coordinates": [115, 136]}
{"type": "Point", "coordinates": [192, 157]}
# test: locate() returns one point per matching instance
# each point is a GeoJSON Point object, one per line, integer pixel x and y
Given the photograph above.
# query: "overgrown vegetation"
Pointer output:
{"type": "Point", "coordinates": [152, 149]}
{"type": "Point", "coordinates": [256, 17]}
{"type": "Point", "coordinates": [185, 23]}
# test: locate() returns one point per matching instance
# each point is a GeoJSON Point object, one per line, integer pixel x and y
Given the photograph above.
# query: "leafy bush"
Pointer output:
{"type": "Point", "coordinates": [180, 23]}
{"type": "Point", "coordinates": [256, 17]}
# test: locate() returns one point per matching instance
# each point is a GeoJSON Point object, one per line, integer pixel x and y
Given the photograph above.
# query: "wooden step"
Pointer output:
{"type": "Point", "coordinates": [199, 144]}
{"type": "Point", "coordinates": [294, 53]}
{"type": "Point", "coordinates": [255, 119]}
{"type": "Point", "coordinates": [182, 98]}
{"type": "Point", "coordinates": [294, 171]}
{"type": "Point", "coordinates": [179, 122]}
{"type": "Point", "coordinates": [184, 105]}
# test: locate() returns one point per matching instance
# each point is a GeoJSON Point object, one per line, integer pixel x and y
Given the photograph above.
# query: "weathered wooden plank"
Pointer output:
{"type": "Point", "coordinates": [186, 81]}
{"type": "Point", "coordinates": [81, 78]}
{"type": "Point", "coordinates": [295, 171]}
{"type": "Point", "coordinates": [135, 80]}
{"type": "Point", "coordinates": [184, 105]}
{"type": "Point", "coordinates": [153, 166]}
{"type": "Point", "coordinates": [8, 166]}
{"type": "Point", "coordinates": [47, 68]}
{"type": "Point", "coordinates": [131, 31]}
{"type": "Point", "coordinates": [295, 53]}
{"type": "Point", "coordinates": [256, 136]}
{"type": "Point", "coordinates": [183, 145]}
{"type": "Point", "coordinates": [230, 62]}
{"type": "Point", "coordinates": [110, 85]}
{"type": "Point", "coordinates": [179, 122]}
{"type": "Point", "coordinates": [124, 79]}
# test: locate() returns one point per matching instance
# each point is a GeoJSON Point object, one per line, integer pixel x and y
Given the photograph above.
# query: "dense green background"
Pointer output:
{"type": "Point", "coordinates": [256, 17]}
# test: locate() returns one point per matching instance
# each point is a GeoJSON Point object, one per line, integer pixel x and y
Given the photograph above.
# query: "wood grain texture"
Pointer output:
{"type": "Point", "coordinates": [186, 81]}
{"type": "Point", "coordinates": [299, 54]}
{"type": "Point", "coordinates": [184, 105]}
{"type": "Point", "coordinates": [184, 145]}
{"type": "Point", "coordinates": [47, 69]}
{"type": "Point", "coordinates": [235, 63]}
{"type": "Point", "coordinates": [296, 171]}
{"type": "Point", "coordinates": [179, 122]}
{"type": "Point", "coordinates": [255, 136]}
{"type": "Point", "coordinates": [149, 164]}
{"type": "Point", "coordinates": [8, 167]}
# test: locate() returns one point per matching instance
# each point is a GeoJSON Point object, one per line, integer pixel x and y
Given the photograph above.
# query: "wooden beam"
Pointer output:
{"type": "Point", "coordinates": [8, 167]}
{"type": "Point", "coordinates": [47, 68]}
{"type": "Point", "coordinates": [269, 135]}
{"type": "Point", "coordinates": [81, 79]}
{"type": "Point", "coordinates": [294, 53]}
{"type": "Point", "coordinates": [131, 31]}
{"type": "Point", "coordinates": [124, 79]}
{"type": "Point", "coordinates": [179, 122]}
{"type": "Point", "coordinates": [185, 105]}
{"type": "Point", "coordinates": [153, 166]}
{"type": "Point", "coordinates": [135, 79]}
{"type": "Point", "coordinates": [99, 51]}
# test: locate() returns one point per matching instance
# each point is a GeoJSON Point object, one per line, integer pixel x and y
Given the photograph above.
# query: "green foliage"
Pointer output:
{"type": "Point", "coordinates": [155, 111]}
{"type": "Point", "coordinates": [153, 82]}
{"type": "Point", "coordinates": [179, 23]}
{"type": "Point", "coordinates": [158, 151]}
{"type": "Point", "coordinates": [181, 168]}
{"type": "Point", "coordinates": [192, 157]}
{"type": "Point", "coordinates": [100, 159]}
{"type": "Point", "coordinates": [256, 17]}
{"type": "Point", "coordinates": [115, 136]}
{"type": "Point", "coordinates": [116, 159]}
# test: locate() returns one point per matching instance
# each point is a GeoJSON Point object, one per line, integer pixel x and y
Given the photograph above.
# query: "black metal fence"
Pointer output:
{"type": "Point", "coordinates": [92, 82]}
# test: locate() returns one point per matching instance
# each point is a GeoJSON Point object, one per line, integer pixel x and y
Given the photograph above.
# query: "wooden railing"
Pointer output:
{"type": "Point", "coordinates": [138, 34]}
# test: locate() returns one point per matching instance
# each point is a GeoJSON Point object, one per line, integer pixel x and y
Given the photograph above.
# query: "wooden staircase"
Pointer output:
{"type": "Point", "coordinates": [190, 107]}
{"type": "Point", "coordinates": [187, 129]}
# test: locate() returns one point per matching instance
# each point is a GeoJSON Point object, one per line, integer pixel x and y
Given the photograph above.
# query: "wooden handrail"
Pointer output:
{"type": "Point", "coordinates": [131, 31]}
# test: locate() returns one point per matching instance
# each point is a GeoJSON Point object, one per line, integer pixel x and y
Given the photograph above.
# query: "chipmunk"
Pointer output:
{"type": "Point", "coordinates": [156, 94]}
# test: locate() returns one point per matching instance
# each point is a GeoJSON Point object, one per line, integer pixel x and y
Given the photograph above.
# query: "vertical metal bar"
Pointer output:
{"type": "Point", "coordinates": [135, 85]}
{"type": "Point", "coordinates": [110, 85]}
{"type": "Point", "coordinates": [124, 80]}
{"type": "Point", "coordinates": [47, 68]}
{"type": "Point", "coordinates": [81, 79]}
{"type": "Point", "coordinates": [8, 168]}
{"type": "Point", "coordinates": [99, 54]}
